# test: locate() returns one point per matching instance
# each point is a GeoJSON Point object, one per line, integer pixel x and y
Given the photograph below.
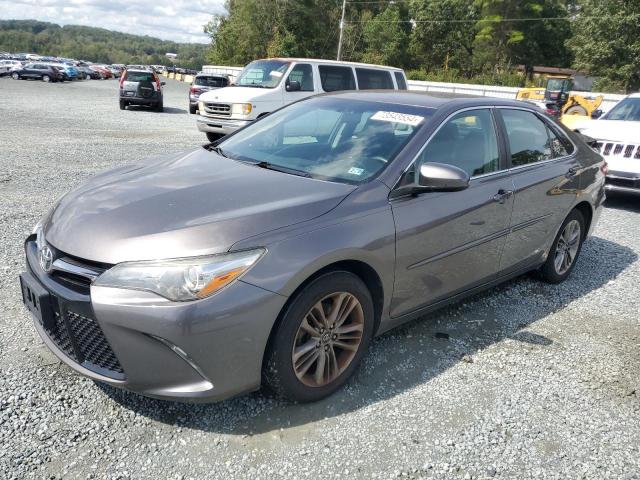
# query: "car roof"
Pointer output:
{"type": "Point", "coordinates": [427, 99]}
{"type": "Point", "coordinates": [634, 95]}
{"type": "Point", "coordinates": [139, 70]}
{"type": "Point", "coordinates": [333, 62]}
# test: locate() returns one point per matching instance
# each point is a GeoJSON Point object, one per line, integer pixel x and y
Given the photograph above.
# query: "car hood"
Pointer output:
{"type": "Point", "coordinates": [235, 94]}
{"type": "Point", "coordinates": [613, 130]}
{"type": "Point", "coordinates": [191, 204]}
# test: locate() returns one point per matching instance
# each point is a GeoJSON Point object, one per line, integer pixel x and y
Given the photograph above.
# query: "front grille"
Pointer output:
{"type": "Point", "coordinates": [218, 109]}
{"type": "Point", "coordinates": [82, 340]}
{"type": "Point", "coordinates": [614, 149]}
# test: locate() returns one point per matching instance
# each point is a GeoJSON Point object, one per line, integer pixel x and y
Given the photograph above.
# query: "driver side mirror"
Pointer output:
{"type": "Point", "coordinates": [440, 177]}
{"type": "Point", "coordinates": [596, 114]}
{"type": "Point", "coordinates": [293, 86]}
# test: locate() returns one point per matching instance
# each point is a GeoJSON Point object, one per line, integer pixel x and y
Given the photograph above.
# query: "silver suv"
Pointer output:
{"type": "Point", "coordinates": [204, 82]}
{"type": "Point", "coordinates": [141, 87]}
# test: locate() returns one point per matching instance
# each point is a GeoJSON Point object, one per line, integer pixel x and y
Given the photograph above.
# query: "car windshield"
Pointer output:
{"type": "Point", "coordinates": [211, 81]}
{"type": "Point", "coordinates": [626, 109]}
{"type": "Point", "coordinates": [262, 73]}
{"type": "Point", "coordinates": [334, 139]}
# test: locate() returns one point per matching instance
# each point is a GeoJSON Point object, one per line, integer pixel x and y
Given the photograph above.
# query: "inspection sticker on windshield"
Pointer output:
{"type": "Point", "coordinates": [356, 171]}
{"type": "Point", "coordinates": [396, 117]}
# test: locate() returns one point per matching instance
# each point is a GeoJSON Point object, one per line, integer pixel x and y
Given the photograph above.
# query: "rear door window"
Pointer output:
{"type": "Point", "coordinates": [402, 84]}
{"type": "Point", "coordinates": [531, 140]}
{"type": "Point", "coordinates": [334, 78]}
{"type": "Point", "coordinates": [370, 79]}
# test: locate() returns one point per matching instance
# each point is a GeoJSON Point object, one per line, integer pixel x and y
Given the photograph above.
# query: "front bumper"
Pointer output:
{"type": "Point", "coordinates": [219, 125]}
{"type": "Point", "coordinates": [623, 182]}
{"type": "Point", "coordinates": [206, 350]}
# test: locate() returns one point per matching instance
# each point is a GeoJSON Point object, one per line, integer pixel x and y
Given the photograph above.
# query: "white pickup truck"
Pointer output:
{"type": "Point", "coordinates": [266, 85]}
{"type": "Point", "coordinates": [618, 140]}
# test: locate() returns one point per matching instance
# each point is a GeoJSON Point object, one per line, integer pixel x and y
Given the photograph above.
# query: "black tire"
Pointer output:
{"type": "Point", "coordinates": [214, 137]}
{"type": "Point", "coordinates": [159, 106]}
{"type": "Point", "coordinates": [123, 105]}
{"type": "Point", "coordinates": [576, 110]}
{"type": "Point", "coordinates": [279, 375]}
{"type": "Point", "coordinates": [549, 272]}
{"type": "Point", "coordinates": [193, 109]}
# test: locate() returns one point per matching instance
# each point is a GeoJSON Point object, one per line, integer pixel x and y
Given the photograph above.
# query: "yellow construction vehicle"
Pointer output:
{"type": "Point", "coordinates": [557, 96]}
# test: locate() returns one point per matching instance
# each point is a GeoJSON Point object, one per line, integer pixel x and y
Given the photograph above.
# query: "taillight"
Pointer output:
{"type": "Point", "coordinates": [122, 77]}
{"type": "Point", "coordinates": [194, 90]}
{"type": "Point", "coordinates": [604, 168]}
{"type": "Point", "coordinates": [157, 82]}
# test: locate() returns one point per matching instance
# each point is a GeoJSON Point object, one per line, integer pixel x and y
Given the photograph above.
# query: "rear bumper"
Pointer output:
{"type": "Point", "coordinates": [218, 125]}
{"type": "Point", "coordinates": [142, 100]}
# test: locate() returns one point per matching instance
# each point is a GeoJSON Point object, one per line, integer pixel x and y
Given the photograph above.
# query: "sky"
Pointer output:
{"type": "Point", "coordinates": [177, 20]}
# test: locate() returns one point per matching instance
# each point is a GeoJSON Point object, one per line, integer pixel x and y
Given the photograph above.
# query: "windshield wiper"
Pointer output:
{"type": "Point", "coordinates": [218, 150]}
{"type": "Point", "coordinates": [278, 168]}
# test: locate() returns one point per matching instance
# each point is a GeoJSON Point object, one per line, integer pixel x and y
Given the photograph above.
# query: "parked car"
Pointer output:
{"type": "Point", "coordinates": [277, 253]}
{"type": "Point", "coordinates": [7, 66]}
{"type": "Point", "coordinates": [69, 72]}
{"type": "Point", "coordinates": [38, 71]}
{"type": "Point", "coordinates": [141, 87]}
{"type": "Point", "coordinates": [617, 138]}
{"type": "Point", "coordinates": [89, 73]}
{"type": "Point", "coordinates": [266, 85]}
{"type": "Point", "coordinates": [204, 82]}
{"type": "Point", "coordinates": [115, 71]}
{"type": "Point", "coordinates": [104, 72]}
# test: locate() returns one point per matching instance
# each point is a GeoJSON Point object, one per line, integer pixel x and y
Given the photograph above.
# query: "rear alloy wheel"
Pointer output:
{"type": "Point", "coordinates": [321, 338]}
{"type": "Point", "coordinates": [46, 78]}
{"type": "Point", "coordinates": [15, 76]}
{"type": "Point", "coordinates": [565, 249]}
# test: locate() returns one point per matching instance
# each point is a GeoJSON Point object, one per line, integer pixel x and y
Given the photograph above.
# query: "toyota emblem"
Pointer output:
{"type": "Point", "coordinates": [45, 257]}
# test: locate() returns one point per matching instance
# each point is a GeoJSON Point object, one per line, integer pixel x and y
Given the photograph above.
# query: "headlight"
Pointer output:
{"type": "Point", "coordinates": [181, 279]}
{"type": "Point", "coordinates": [241, 108]}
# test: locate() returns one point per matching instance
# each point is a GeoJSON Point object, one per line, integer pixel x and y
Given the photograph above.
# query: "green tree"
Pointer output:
{"type": "Point", "coordinates": [385, 38]}
{"type": "Point", "coordinates": [606, 41]}
{"type": "Point", "coordinates": [438, 43]}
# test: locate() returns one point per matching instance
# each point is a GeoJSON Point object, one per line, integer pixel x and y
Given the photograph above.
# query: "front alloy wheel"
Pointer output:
{"type": "Point", "coordinates": [328, 339]}
{"type": "Point", "coordinates": [321, 338]}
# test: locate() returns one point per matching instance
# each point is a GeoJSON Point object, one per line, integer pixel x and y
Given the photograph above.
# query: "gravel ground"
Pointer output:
{"type": "Point", "coordinates": [533, 381]}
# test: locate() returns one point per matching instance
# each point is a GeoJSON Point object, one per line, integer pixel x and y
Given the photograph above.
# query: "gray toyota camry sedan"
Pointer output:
{"type": "Point", "coordinates": [273, 256]}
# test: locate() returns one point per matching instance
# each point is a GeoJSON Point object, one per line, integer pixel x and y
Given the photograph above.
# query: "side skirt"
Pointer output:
{"type": "Point", "coordinates": [391, 323]}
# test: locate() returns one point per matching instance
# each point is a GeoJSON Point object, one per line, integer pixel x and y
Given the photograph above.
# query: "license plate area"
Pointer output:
{"type": "Point", "coordinates": [38, 300]}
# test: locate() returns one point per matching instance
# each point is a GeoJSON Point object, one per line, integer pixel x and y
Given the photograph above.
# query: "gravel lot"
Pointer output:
{"type": "Point", "coordinates": [534, 381]}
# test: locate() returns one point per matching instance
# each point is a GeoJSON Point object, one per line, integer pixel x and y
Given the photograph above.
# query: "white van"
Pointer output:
{"type": "Point", "coordinates": [266, 85]}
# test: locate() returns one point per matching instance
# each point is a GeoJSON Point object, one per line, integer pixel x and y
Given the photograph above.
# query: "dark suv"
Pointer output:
{"type": "Point", "coordinates": [38, 71]}
{"type": "Point", "coordinates": [203, 83]}
{"type": "Point", "coordinates": [141, 87]}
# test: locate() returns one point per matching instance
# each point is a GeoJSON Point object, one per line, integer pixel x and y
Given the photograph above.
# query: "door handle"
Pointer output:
{"type": "Point", "coordinates": [572, 172]}
{"type": "Point", "coordinates": [502, 195]}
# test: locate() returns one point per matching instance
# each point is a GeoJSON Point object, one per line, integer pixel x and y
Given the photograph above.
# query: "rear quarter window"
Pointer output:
{"type": "Point", "coordinates": [334, 78]}
{"type": "Point", "coordinates": [370, 79]}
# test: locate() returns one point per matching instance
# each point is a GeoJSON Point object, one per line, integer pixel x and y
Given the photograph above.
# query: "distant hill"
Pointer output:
{"type": "Point", "coordinates": [95, 44]}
